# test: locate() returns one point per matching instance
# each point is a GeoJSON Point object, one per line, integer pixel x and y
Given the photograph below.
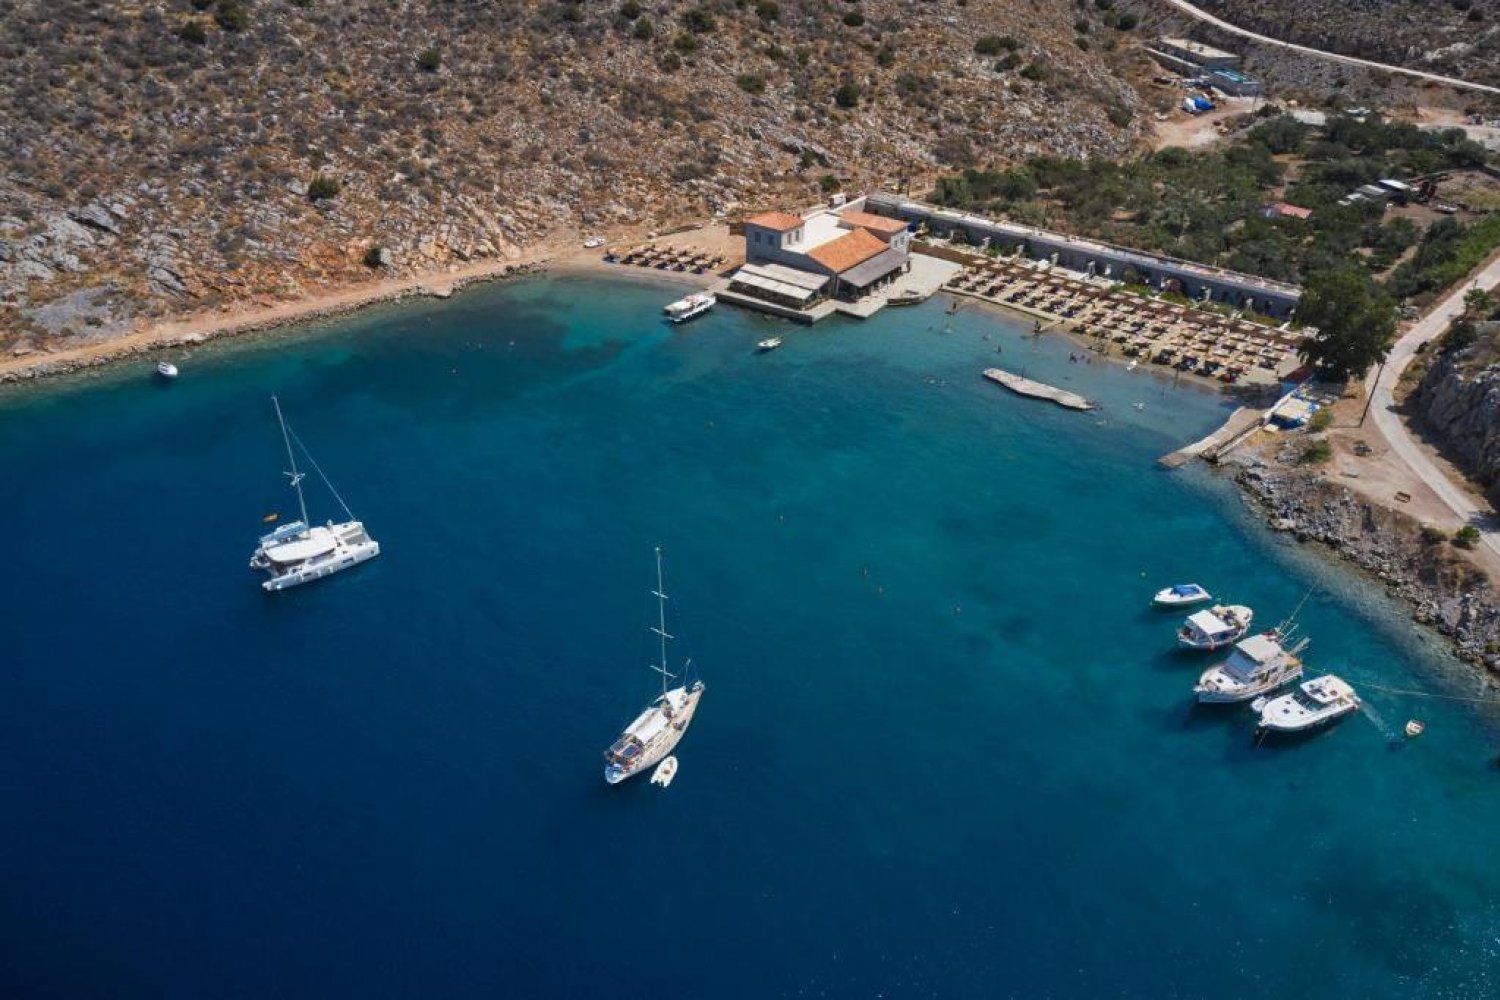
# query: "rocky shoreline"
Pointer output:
{"type": "Point", "coordinates": [1443, 589]}
{"type": "Point", "coordinates": [108, 353]}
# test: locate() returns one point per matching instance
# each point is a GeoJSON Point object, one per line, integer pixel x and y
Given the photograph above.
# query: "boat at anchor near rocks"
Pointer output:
{"type": "Point", "coordinates": [1215, 627]}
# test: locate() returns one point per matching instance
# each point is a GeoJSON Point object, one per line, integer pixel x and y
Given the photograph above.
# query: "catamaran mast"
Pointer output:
{"type": "Point", "coordinates": [294, 475]}
{"type": "Point", "coordinates": [661, 627]}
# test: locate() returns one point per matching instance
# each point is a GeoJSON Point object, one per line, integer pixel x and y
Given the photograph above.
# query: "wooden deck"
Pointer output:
{"type": "Point", "coordinates": [1037, 390]}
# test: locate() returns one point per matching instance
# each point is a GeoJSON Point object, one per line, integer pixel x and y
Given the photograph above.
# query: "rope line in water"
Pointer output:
{"type": "Point", "coordinates": [1432, 694]}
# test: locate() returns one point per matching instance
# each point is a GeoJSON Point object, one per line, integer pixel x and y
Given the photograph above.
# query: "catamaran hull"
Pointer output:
{"type": "Point", "coordinates": [342, 559]}
{"type": "Point", "coordinates": [661, 747]}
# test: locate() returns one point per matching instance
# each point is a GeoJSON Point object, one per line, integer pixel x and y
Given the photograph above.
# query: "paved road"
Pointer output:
{"type": "Point", "coordinates": [1206, 17]}
{"type": "Point", "coordinates": [1394, 430]}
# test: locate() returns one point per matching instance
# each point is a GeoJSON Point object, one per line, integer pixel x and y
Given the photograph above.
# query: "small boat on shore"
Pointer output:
{"type": "Point", "coordinates": [1215, 628]}
{"type": "Point", "coordinates": [1257, 666]}
{"type": "Point", "coordinates": [1181, 595]}
{"type": "Point", "coordinates": [692, 306]}
{"type": "Point", "coordinates": [593, 242]}
{"type": "Point", "coordinates": [769, 344]}
{"type": "Point", "coordinates": [1314, 704]}
{"type": "Point", "coordinates": [665, 772]}
{"type": "Point", "coordinates": [166, 370]}
{"type": "Point", "coordinates": [906, 299]}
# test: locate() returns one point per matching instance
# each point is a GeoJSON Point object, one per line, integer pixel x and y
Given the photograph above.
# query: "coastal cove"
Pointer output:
{"type": "Point", "coordinates": [946, 749]}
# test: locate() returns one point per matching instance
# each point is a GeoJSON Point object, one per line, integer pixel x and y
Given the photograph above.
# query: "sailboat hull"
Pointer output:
{"type": "Point", "coordinates": [661, 744]}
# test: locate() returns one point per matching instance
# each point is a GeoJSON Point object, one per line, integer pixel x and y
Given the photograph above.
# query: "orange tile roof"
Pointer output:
{"type": "Point", "coordinates": [875, 223]}
{"type": "Point", "coordinates": [853, 248]}
{"type": "Point", "coordinates": [779, 221]}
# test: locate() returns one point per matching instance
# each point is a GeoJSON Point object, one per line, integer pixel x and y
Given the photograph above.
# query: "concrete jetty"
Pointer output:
{"type": "Point", "coordinates": [1240, 424]}
{"type": "Point", "coordinates": [1037, 390]}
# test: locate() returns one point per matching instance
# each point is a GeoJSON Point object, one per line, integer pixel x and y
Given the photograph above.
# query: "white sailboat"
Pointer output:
{"type": "Point", "coordinates": [300, 552]}
{"type": "Point", "coordinates": [658, 729]}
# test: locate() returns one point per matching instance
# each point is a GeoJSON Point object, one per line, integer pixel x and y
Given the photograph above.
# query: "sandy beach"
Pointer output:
{"type": "Point", "coordinates": [563, 255]}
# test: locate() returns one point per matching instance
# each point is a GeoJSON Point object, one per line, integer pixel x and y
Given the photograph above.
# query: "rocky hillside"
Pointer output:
{"type": "Point", "coordinates": [167, 155]}
{"type": "Point", "coordinates": [1458, 402]}
{"type": "Point", "coordinates": [1454, 37]}
{"type": "Point", "coordinates": [1442, 588]}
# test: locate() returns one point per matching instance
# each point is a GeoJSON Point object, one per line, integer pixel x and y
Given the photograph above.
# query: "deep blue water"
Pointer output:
{"type": "Point", "coordinates": [945, 748]}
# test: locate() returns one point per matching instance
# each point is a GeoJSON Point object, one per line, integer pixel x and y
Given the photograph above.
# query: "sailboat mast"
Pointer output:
{"type": "Point", "coordinates": [661, 623]}
{"type": "Point", "coordinates": [294, 475]}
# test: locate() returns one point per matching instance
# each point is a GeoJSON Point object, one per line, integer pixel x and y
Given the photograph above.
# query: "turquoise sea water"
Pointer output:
{"type": "Point", "coordinates": [945, 750]}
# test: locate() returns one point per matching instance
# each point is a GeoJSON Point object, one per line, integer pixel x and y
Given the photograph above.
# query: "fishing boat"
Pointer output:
{"type": "Point", "coordinates": [769, 344]}
{"type": "Point", "coordinates": [657, 730]}
{"type": "Point", "coordinates": [300, 552]}
{"type": "Point", "coordinates": [1256, 666]}
{"type": "Point", "coordinates": [1315, 703]}
{"type": "Point", "coordinates": [1216, 627]}
{"type": "Point", "coordinates": [1181, 595]}
{"type": "Point", "coordinates": [687, 308]}
{"type": "Point", "coordinates": [665, 772]}
{"type": "Point", "coordinates": [166, 369]}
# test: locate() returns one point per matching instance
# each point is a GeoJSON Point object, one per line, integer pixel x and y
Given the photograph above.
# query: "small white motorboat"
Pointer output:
{"type": "Point", "coordinates": [166, 369]}
{"type": "Point", "coordinates": [593, 242]}
{"type": "Point", "coordinates": [693, 305]}
{"type": "Point", "coordinates": [665, 772]}
{"type": "Point", "coordinates": [1216, 627]}
{"type": "Point", "coordinates": [769, 344]}
{"type": "Point", "coordinates": [1414, 728]}
{"type": "Point", "coordinates": [1310, 705]}
{"type": "Point", "coordinates": [1181, 595]}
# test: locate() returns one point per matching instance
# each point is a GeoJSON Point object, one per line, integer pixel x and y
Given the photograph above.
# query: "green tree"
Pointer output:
{"type": "Point", "coordinates": [192, 32]}
{"type": "Point", "coordinates": [1466, 537]}
{"type": "Point", "coordinates": [767, 10]}
{"type": "Point", "coordinates": [847, 96]}
{"type": "Point", "coordinates": [430, 59]}
{"type": "Point", "coordinates": [630, 10]}
{"type": "Point", "coordinates": [1356, 322]}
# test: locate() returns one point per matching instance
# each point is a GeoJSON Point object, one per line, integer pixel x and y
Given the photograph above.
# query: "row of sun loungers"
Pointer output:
{"type": "Point", "coordinates": [668, 258]}
{"type": "Point", "coordinates": [1187, 339]}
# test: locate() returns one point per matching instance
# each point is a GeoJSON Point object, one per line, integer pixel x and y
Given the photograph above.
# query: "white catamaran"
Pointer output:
{"type": "Point", "coordinates": [299, 552]}
{"type": "Point", "coordinates": [657, 730]}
